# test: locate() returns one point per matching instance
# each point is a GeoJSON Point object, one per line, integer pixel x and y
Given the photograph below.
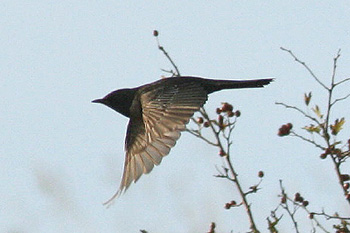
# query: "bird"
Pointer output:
{"type": "Point", "coordinates": [158, 112]}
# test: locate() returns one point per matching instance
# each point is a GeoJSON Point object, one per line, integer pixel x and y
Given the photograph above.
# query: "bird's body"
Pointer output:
{"type": "Point", "coordinates": [158, 112]}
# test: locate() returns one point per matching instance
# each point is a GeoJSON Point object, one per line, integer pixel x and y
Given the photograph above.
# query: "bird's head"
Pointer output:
{"type": "Point", "coordinates": [119, 100]}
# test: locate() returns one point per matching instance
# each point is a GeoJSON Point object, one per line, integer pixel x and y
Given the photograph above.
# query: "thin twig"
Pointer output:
{"type": "Point", "coordinates": [224, 175]}
{"type": "Point", "coordinates": [300, 205]}
{"type": "Point", "coordinates": [161, 48]}
{"type": "Point", "coordinates": [330, 91]}
{"type": "Point", "coordinates": [170, 72]}
{"type": "Point", "coordinates": [343, 81]}
{"type": "Point", "coordinates": [340, 99]}
{"type": "Point", "coordinates": [299, 110]}
{"type": "Point", "coordinates": [198, 135]}
{"type": "Point", "coordinates": [292, 133]}
{"type": "Point", "coordinates": [335, 60]}
{"type": "Point", "coordinates": [306, 67]}
{"type": "Point", "coordinates": [327, 216]}
{"type": "Point", "coordinates": [286, 207]}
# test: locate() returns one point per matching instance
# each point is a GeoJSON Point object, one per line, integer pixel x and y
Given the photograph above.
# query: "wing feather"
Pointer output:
{"type": "Point", "coordinates": [166, 109]}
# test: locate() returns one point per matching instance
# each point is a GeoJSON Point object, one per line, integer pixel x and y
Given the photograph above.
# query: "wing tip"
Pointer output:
{"type": "Point", "coordinates": [111, 200]}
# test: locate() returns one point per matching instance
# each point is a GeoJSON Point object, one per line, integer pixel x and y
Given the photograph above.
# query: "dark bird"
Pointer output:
{"type": "Point", "coordinates": [158, 112]}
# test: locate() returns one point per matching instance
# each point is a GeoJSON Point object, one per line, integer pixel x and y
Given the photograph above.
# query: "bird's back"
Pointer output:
{"type": "Point", "coordinates": [209, 85]}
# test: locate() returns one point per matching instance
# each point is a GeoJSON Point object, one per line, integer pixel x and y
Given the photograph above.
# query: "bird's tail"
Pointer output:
{"type": "Point", "coordinates": [216, 85]}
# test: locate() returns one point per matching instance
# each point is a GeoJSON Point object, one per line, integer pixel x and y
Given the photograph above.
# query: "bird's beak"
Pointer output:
{"type": "Point", "coordinates": [98, 101]}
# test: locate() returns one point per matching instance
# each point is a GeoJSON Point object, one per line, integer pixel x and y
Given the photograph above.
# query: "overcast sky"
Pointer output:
{"type": "Point", "coordinates": [61, 156]}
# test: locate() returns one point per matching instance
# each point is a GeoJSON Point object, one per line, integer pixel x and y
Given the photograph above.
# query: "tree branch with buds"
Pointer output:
{"type": "Point", "coordinates": [222, 129]}
{"type": "Point", "coordinates": [325, 131]}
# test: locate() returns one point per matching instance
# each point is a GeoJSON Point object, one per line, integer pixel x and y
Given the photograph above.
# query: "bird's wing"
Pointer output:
{"type": "Point", "coordinates": [165, 111]}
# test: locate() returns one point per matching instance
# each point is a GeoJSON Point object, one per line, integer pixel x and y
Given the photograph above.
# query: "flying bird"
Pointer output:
{"type": "Point", "coordinates": [158, 112]}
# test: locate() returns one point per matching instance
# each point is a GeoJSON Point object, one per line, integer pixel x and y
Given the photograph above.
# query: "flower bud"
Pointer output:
{"type": "Point", "coordinates": [238, 113]}
{"type": "Point", "coordinates": [220, 120]}
{"type": "Point", "coordinates": [226, 107]}
{"type": "Point", "coordinates": [261, 174]}
{"type": "Point", "coordinates": [344, 177]}
{"type": "Point", "coordinates": [298, 198]}
{"type": "Point", "coordinates": [337, 152]}
{"type": "Point", "coordinates": [200, 120]}
{"type": "Point", "coordinates": [284, 130]}
{"type": "Point", "coordinates": [305, 203]}
{"type": "Point", "coordinates": [230, 114]}
{"type": "Point", "coordinates": [347, 196]}
{"type": "Point", "coordinates": [283, 199]}
{"type": "Point", "coordinates": [222, 153]}
{"type": "Point", "coordinates": [212, 227]}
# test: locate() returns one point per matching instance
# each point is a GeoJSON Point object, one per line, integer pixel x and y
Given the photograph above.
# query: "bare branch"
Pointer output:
{"type": "Point", "coordinates": [306, 67]}
{"type": "Point", "coordinates": [340, 82]}
{"type": "Point", "coordinates": [292, 133]}
{"type": "Point", "coordinates": [335, 60]}
{"type": "Point", "coordinates": [330, 91]}
{"type": "Point", "coordinates": [173, 74]}
{"type": "Point", "coordinates": [327, 216]}
{"type": "Point", "coordinates": [199, 135]}
{"type": "Point", "coordinates": [340, 99]}
{"type": "Point", "coordinates": [161, 48]}
{"type": "Point", "coordinates": [299, 110]}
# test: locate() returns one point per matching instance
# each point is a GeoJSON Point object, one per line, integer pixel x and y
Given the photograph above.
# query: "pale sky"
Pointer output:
{"type": "Point", "coordinates": [61, 156]}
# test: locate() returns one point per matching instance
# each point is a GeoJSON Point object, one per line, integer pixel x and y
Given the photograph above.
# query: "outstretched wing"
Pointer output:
{"type": "Point", "coordinates": [166, 109]}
